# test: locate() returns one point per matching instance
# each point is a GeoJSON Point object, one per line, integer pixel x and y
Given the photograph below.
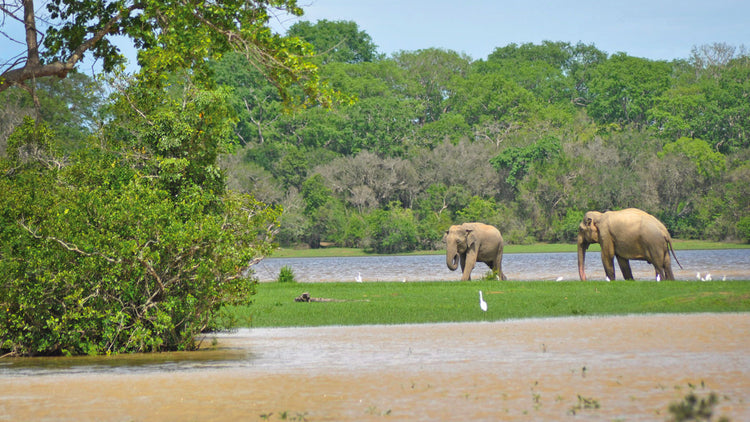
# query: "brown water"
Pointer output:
{"type": "Point", "coordinates": [633, 367]}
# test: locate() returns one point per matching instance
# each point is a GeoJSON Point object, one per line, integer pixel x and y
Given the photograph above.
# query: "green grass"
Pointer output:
{"type": "Point", "coordinates": [425, 302]}
{"type": "Point", "coordinates": [534, 248]}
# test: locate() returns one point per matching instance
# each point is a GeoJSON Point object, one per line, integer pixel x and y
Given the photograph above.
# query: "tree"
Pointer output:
{"type": "Point", "coordinates": [169, 34]}
{"type": "Point", "coordinates": [519, 160]}
{"type": "Point", "coordinates": [133, 242]}
{"type": "Point", "coordinates": [336, 41]}
{"type": "Point", "coordinates": [624, 88]}
{"type": "Point", "coordinates": [72, 106]}
{"type": "Point", "coordinates": [101, 253]}
{"type": "Point", "coordinates": [393, 229]}
{"type": "Point", "coordinates": [429, 74]}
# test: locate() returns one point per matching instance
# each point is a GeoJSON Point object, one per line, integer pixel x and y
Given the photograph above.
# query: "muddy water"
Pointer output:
{"type": "Point", "coordinates": [732, 264]}
{"type": "Point", "coordinates": [536, 369]}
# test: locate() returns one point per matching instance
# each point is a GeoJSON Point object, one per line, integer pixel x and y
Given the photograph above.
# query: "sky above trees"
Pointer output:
{"type": "Point", "coordinates": [657, 30]}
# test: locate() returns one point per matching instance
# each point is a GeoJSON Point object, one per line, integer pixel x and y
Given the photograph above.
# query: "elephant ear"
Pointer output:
{"type": "Point", "coordinates": [593, 225]}
{"type": "Point", "coordinates": [471, 238]}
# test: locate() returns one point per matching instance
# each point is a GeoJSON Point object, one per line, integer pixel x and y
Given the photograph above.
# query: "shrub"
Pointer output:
{"type": "Point", "coordinates": [743, 228]}
{"type": "Point", "coordinates": [286, 275]}
{"type": "Point", "coordinates": [96, 257]}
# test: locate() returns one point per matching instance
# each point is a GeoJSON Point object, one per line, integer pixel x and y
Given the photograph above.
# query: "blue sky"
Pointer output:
{"type": "Point", "coordinates": [655, 29]}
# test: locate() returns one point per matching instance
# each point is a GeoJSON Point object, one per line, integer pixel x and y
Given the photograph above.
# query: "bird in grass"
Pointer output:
{"type": "Point", "coordinates": [559, 278]}
{"type": "Point", "coordinates": [482, 303]}
{"type": "Point", "coordinates": [358, 279]}
{"type": "Point", "coordinates": [658, 277]}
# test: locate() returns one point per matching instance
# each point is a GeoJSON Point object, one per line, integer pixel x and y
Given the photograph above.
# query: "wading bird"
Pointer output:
{"type": "Point", "coordinates": [482, 303]}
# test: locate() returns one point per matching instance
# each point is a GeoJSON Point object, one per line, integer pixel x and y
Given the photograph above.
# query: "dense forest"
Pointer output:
{"type": "Point", "coordinates": [527, 139]}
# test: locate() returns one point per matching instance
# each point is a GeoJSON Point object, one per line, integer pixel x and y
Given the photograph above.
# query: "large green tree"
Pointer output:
{"type": "Point", "coordinates": [169, 34]}
{"type": "Point", "coordinates": [336, 41]}
{"type": "Point", "coordinates": [133, 242]}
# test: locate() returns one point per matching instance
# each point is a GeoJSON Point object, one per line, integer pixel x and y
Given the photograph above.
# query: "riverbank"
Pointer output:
{"type": "Point", "coordinates": [533, 248]}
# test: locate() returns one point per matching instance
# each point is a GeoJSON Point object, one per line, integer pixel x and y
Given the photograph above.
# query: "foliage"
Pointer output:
{"type": "Point", "coordinates": [336, 41]}
{"type": "Point", "coordinates": [98, 257]}
{"type": "Point", "coordinates": [71, 106]}
{"type": "Point", "coordinates": [743, 226]}
{"type": "Point", "coordinates": [392, 230]}
{"type": "Point", "coordinates": [518, 160]}
{"type": "Point", "coordinates": [286, 275]}
{"type": "Point", "coordinates": [170, 35]}
{"type": "Point", "coordinates": [526, 140]}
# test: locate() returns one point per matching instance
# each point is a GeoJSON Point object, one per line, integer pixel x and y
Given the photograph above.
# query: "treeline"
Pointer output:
{"type": "Point", "coordinates": [527, 139]}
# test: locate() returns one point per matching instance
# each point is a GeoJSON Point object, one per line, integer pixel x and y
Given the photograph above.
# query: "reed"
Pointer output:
{"type": "Point", "coordinates": [425, 302]}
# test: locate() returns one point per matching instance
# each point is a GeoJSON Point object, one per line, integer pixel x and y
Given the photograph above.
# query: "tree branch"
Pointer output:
{"type": "Point", "coordinates": [33, 67]}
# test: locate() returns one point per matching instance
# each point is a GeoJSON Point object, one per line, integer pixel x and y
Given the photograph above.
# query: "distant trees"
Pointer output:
{"type": "Point", "coordinates": [528, 138]}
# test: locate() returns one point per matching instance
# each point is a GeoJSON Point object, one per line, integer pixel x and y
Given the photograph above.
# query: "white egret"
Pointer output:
{"type": "Point", "coordinates": [482, 303]}
{"type": "Point", "coordinates": [708, 277]}
{"type": "Point", "coordinates": [559, 278]}
{"type": "Point", "coordinates": [607, 278]}
{"type": "Point", "coordinates": [658, 277]}
{"type": "Point", "coordinates": [359, 277]}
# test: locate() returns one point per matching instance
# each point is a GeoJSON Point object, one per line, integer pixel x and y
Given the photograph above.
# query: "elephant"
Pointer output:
{"type": "Point", "coordinates": [472, 242]}
{"type": "Point", "coordinates": [626, 234]}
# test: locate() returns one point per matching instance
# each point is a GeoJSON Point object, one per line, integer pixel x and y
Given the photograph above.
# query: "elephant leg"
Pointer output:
{"type": "Point", "coordinates": [609, 266]}
{"type": "Point", "coordinates": [668, 274]}
{"type": "Point", "coordinates": [627, 273]}
{"type": "Point", "coordinates": [470, 261]}
{"type": "Point", "coordinates": [499, 266]}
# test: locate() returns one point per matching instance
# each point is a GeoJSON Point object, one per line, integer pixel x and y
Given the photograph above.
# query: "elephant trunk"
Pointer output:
{"type": "Point", "coordinates": [451, 258]}
{"type": "Point", "coordinates": [583, 245]}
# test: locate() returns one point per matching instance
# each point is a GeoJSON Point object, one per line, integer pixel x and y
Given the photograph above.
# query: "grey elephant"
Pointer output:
{"type": "Point", "coordinates": [470, 243]}
{"type": "Point", "coordinates": [626, 234]}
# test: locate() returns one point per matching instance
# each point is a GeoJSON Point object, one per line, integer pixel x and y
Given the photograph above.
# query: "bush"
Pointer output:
{"type": "Point", "coordinates": [286, 275]}
{"type": "Point", "coordinates": [743, 228]}
{"type": "Point", "coordinates": [393, 230]}
{"type": "Point", "coordinates": [96, 257]}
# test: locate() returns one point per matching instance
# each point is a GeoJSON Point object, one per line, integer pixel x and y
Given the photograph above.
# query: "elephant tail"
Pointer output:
{"type": "Point", "coordinates": [671, 248]}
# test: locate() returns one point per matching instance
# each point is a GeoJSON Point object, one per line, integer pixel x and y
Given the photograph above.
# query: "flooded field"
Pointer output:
{"type": "Point", "coordinates": [599, 368]}
{"type": "Point", "coordinates": [732, 264]}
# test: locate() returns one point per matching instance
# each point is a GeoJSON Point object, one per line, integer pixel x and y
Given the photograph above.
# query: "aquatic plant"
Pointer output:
{"type": "Point", "coordinates": [694, 408]}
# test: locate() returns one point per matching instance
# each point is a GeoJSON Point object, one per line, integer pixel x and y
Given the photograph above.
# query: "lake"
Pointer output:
{"type": "Point", "coordinates": [732, 264]}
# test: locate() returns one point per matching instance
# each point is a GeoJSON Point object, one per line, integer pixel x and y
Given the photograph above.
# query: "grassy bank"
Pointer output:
{"type": "Point", "coordinates": [423, 302]}
{"type": "Point", "coordinates": [534, 248]}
